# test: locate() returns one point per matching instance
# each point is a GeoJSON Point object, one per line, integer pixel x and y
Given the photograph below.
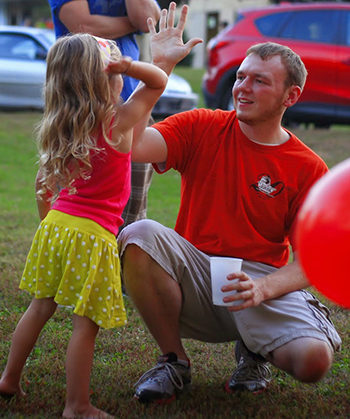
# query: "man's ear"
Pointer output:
{"type": "Point", "coordinates": [292, 96]}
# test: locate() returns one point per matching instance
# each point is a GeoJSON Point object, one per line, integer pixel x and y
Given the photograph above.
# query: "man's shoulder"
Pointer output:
{"type": "Point", "coordinates": [209, 114]}
{"type": "Point", "coordinates": [305, 155]}
{"type": "Point", "coordinates": [218, 113]}
{"type": "Point", "coordinates": [198, 123]}
{"type": "Point", "coordinates": [202, 116]}
{"type": "Point", "coordinates": [299, 144]}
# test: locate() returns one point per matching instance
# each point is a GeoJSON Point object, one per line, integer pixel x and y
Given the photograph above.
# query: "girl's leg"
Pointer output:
{"type": "Point", "coordinates": [23, 341]}
{"type": "Point", "coordinates": [80, 355]}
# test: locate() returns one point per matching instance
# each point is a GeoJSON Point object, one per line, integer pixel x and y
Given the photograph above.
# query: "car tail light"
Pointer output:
{"type": "Point", "coordinates": [213, 52]}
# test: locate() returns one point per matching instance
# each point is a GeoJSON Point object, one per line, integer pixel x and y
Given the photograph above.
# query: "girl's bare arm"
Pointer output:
{"type": "Point", "coordinates": [43, 201]}
{"type": "Point", "coordinates": [153, 81]}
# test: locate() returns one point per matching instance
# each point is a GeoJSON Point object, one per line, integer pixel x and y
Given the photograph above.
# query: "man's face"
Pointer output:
{"type": "Point", "coordinates": [259, 93]}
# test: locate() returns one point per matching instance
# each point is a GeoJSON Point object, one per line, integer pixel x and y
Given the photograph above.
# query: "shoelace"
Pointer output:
{"type": "Point", "coordinates": [164, 371]}
{"type": "Point", "coordinates": [251, 370]}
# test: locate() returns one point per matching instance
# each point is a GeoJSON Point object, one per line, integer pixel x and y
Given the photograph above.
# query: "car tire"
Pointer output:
{"type": "Point", "coordinates": [226, 101]}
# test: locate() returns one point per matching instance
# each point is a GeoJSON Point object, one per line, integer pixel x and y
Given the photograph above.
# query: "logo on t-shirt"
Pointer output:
{"type": "Point", "coordinates": [265, 187]}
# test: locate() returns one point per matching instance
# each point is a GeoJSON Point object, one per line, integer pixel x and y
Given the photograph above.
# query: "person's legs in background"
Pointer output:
{"type": "Point", "coordinates": [141, 178]}
{"type": "Point", "coordinates": [136, 208]}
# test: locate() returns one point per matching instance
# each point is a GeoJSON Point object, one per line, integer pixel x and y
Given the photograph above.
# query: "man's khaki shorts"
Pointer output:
{"type": "Point", "coordinates": [263, 329]}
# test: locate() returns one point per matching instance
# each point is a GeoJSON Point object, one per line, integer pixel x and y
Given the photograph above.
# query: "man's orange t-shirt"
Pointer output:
{"type": "Point", "coordinates": [238, 198]}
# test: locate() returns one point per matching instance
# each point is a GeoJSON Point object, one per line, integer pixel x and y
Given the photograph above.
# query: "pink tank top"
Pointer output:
{"type": "Point", "coordinates": [103, 196]}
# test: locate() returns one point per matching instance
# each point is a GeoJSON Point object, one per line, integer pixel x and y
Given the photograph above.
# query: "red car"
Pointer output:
{"type": "Point", "coordinates": [318, 32]}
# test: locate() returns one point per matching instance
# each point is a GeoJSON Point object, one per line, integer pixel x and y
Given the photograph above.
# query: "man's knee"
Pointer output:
{"type": "Point", "coordinates": [142, 230]}
{"type": "Point", "coordinates": [315, 363]}
{"type": "Point", "coordinates": [134, 241]}
{"type": "Point", "coordinates": [308, 360]}
{"type": "Point", "coordinates": [134, 254]}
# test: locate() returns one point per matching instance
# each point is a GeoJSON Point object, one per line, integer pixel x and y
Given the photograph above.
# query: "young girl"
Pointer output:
{"type": "Point", "coordinates": [82, 186]}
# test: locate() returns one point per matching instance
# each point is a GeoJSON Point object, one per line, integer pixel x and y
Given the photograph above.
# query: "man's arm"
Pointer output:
{"type": "Point", "coordinates": [140, 10]}
{"type": "Point", "coordinates": [167, 49]}
{"type": "Point", "coordinates": [75, 15]}
{"type": "Point", "coordinates": [151, 148]}
{"type": "Point", "coordinates": [287, 279]}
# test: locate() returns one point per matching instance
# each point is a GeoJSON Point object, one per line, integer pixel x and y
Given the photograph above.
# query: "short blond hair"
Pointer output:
{"type": "Point", "coordinates": [296, 71]}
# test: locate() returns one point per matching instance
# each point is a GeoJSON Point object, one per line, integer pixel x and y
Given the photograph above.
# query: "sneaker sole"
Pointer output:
{"type": "Point", "coordinates": [145, 400]}
{"type": "Point", "coordinates": [243, 388]}
{"type": "Point", "coordinates": [148, 399]}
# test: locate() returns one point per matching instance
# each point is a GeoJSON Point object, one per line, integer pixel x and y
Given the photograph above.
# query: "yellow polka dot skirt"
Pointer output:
{"type": "Point", "coordinates": [75, 261]}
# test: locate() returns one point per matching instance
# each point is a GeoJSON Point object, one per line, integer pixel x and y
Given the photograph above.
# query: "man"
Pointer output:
{"type": "Point", "coordinates": [119, 20]}
{"type": "Point", "coordinates": [244, 179]}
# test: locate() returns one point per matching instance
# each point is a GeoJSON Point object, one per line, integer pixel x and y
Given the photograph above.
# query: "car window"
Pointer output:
{"type": "Point", "coordinates": [312, 26]}
{"type": "Point", "coordinates": [47, 37]}
{"type": "Point", "coordinates": [238, 17]}
{"type": "Point", "coordinates": [346, 41]}
{"type": "Point", "coordinates": [20, 47]}
{"type": "Point", "coordinates": [271, 25]}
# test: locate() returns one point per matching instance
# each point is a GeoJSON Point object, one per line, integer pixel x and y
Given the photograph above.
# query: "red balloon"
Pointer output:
{"type": "Point", "coordinates": [323, 234]}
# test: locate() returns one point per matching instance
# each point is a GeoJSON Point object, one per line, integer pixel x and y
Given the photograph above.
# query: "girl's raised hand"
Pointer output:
{"type": "Point", "coordinates": [167, 47]}
{"type": "Point", "coordinates": [119, 67]}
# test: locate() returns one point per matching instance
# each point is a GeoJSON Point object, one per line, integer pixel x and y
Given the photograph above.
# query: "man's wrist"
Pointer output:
{"type": "Point", "coordinates": [165, 66]}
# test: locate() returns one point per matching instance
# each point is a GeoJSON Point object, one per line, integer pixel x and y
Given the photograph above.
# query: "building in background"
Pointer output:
{"type": "Point", "coordinates": [25, 12]}
{"type": "Point", "coordinates": [206, 18]}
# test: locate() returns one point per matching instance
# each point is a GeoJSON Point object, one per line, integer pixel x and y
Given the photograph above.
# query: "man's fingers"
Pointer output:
{"type": "Point", "coordinates": [182, 20]}
{"type": "Point", "coordinates": [171, 15]}
{"type": "Point", "coordinates": [192, 43]}
{"type": "Point", "coordinates": [151, 28]}
{"type": "Point", "coordinates": [162, 21]}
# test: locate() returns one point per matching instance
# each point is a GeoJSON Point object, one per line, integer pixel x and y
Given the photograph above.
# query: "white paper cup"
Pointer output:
{"type": "Point", "coordinates": [220, 267]}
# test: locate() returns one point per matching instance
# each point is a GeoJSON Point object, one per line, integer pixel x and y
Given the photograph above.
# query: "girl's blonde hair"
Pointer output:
{"type": "Point", "coordinates": [78, 105]}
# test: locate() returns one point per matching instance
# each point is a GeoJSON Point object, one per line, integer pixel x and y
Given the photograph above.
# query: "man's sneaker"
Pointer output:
{"type": "Point", "coordinates": [252, 373]}
{"type": "Point", "coordinates": [161, 383]}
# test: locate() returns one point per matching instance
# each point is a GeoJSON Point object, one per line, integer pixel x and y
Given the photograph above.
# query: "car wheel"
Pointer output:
{"type": "Point", "coordinates": [230, 106]}
{"type": "Point", "coordinates": [226, 99]}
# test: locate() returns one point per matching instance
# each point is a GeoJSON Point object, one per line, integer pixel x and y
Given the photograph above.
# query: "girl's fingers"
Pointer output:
{"type": "Point", "coordinates": [120, 66]}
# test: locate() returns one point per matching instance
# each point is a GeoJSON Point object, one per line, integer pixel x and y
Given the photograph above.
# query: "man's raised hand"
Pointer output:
{"type": "Point", "coordinates": [167, 47]}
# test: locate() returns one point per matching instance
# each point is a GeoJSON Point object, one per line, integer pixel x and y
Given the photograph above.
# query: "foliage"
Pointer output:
{"type": "Point", "coordinates": [194, 78]}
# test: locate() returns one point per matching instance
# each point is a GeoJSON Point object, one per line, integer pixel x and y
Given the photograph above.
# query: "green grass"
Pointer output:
{"type": "Point", "coordinates": [122, 355]}
{"type": "Point", "coordinates": [194, 77]}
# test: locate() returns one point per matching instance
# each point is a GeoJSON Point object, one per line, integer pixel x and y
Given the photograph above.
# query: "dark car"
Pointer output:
{"type": "Point", "coordinates": [23, 53]}
{"type": "Point", "coordinates": [318, 32]}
